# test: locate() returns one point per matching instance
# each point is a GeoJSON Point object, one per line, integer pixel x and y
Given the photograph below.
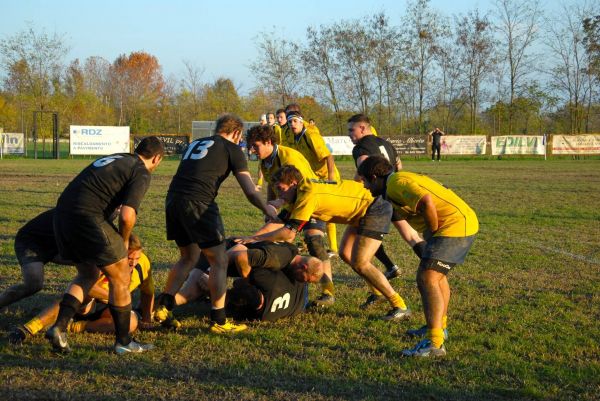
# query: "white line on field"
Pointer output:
{"type": "Point", "coordinates": [566, 253]}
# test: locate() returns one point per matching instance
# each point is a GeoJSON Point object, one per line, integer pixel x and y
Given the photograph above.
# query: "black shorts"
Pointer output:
{"type": "Point", "coordinates": [376, 221]}
{"type": "Point", "coordinates": [191, 222]}
{"type": "Point", "coordinates": [31, 247]}
{"type": "Point", "coordinates": [88, 239]}
{"type": "Point", "coordinates": [315, 224]}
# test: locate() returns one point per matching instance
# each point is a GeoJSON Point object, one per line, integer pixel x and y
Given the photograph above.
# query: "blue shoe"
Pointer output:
{"type": "Point", "coordinates": [425, 349]}
{"type": "Point", "coordinates": [422, 332]}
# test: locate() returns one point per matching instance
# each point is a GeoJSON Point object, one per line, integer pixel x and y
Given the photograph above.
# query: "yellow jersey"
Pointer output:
{"type": "Point", "coordinates": [312, 146]}
{"type": "Point", "coordinates": [277, 130]}
{"type": "Point", "coordinates": [374, 131]}
{"type": "Point", "coordinates": [284, 156]}
{"type": "Point", "coordinates": [455, 217]}
{"type": "Point", "coordinates": [343, 202]}
{"type": "Point", "coordinates": [141, 276]}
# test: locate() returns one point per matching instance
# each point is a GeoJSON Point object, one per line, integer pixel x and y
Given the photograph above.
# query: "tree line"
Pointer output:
{"type": "Point", "coordinates": [511, 70]}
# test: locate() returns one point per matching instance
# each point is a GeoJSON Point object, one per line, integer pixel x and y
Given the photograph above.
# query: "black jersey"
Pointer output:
{"type": "Point", "coordinates": [119, 179]}
{"type": "Point", "coordinates": [205, 164]}
{"type": "Point", "coordinates": [283, 295]}
{"type": "Point", "coordinates": [372, 145]}
{"type": "Point", "coordinates": [436, 136]}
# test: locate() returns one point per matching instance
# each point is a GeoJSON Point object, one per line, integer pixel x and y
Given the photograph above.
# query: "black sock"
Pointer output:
{"type": "Point", "coordinates": [68, 308]}
{"type": "Point", "coordinates": [419, 248]}
{"type": "Point", "coordinates": [167, 300]}
{"type": "Point", "coordinates": [384, 258]}
{"type": "Point", "coordinates": [218, 316]}
{"type": "Point", "coordinates": [122, 317]}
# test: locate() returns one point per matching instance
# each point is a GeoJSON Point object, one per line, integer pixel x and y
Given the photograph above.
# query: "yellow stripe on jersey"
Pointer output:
{"type": "Point", "coordinates": [146, 282]}
{"type": "Point", "coordinates": [287, 157]}
{"type": "Point", "coordinates": [455, 217]}
{"type": "Point", "coordinates": [342, 202]}
{"type": "Point", "coordinates": [277, 130]}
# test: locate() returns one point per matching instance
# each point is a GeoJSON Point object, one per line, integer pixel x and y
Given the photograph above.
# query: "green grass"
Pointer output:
{"type": "Point", "coordinates": [523, 317]}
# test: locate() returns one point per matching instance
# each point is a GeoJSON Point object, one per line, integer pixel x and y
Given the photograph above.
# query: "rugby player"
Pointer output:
{"type": "Point", "coordinates": [273, 281]}
{"type": "Point", "coordinates": [344, 202]}
{"type": "Point", "coordinates": [449, 226]}
{"type": "Point", "coordinates": [86, 235]}
{"type": "Point", "coordinates": [35, 246]}
{"type": "Point", "coordinates": [273, 157]}
{"type": "Point", "coordinates": [94, 316]}
{"type": "Point", "coordinates": [368, 144]}
{"type": "Point", "coordinates": [193, 219]}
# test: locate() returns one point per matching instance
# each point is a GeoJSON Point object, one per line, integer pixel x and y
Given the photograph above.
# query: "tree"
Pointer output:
{"type": "Point", "coordinates": [517, 26]}
{"type": "Point", "coordinates": [219, 98]}
{"type": "Point", "coordinates": [476, 48]}
{"type": "Point", "coordinates": [32, 61]}
{"type": "Point", "coordinates": [422, 29]}
{"type": "Point", "coordinates": [277, 65]}
{"type": "Point", "coordinates": [138, 88]}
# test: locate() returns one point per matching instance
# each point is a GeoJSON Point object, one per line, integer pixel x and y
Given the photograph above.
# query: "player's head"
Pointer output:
{"type": "Point", "coordinates": [285, 180]}
{"type": "Point", "coordinates": [260, 140]}
{"type": "Point", "coordinates": [292, 107]}
{"type": "Point", "coordinates": [359, 126]}
{"type": "Point", "coordinates": [281, 117]}
{"type": "Point", "coordinates": [151, 150]}
{"type": "Point", "coordinates": [374, 171]}
{"type": "Point", "coordinates": [134, 251]}
{"type": "Point", "coordinates": [295, 121]}
{"type": "Point", "coordinates": [244, 299]}
{"type": "Point", "coordinates": [263, 119]}
{"type": "Point", "coordinates": [230, 127]}
{"type": "Point", "coordinates": [271, 118]}
{"type": "Point", "coordinates": [307, 269]}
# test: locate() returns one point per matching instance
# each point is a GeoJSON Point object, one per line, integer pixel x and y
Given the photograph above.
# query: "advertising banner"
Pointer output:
{"type": "Point", "coordinates": [575, 144]}
{"type": "Point", "coordinates": [98, 140]}
{"type": "Point", "coordinates": [174, 144]}
{"type": "Point", "coordinates": [13, 144]}
{"type": "Point", "coordinates": [463, 144]}
{"type": "Point", "coordinates": [339, 145]}
{"type": "Point", "coordinates": [518, 145]}
{"type": "Point", "coordinates": [409, 144]}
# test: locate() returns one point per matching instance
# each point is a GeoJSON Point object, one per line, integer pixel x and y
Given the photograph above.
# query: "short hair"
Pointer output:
{"type": "Point", "coordinates": [279, 111]}
{"type": "Point", "coordinates": [228, 123]}
{"type": "Point", "coordinates": [149, 147]}
{"type": "Point", "coordinates": [314, 267]}
{"type": "Point", "coordinates": [243, 300]}
{"type": "Point", "coordinates": [377, 166]}
{"type": "Point", "coordinates": [359, 118]}
{"type": "Point", "coordinates": [292, 107]}
{"type": "Point", "coordinates": [261, 133]}
{"type": "Point", "coordinates": [286, 174]}
{"type": "Point", "coordinates": [270, 114]}
{"type": "Point", "coordinates": [134, 243]}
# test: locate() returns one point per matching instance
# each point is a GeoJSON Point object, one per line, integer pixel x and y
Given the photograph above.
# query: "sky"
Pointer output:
{"type": "Point", "coordinates": [218, 36]}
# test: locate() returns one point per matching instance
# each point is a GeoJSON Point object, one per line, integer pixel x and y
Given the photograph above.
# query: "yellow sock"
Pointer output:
{"type": "Point", "coordinates": [327, 288]}
{"type": "Point", "coordinates": [34, 325]}
{"type": "Point", "coordinates": [397, 301]}
{"type": "Point", "coordinates": [332, 235]}
{"type": "Point", "coordinates": [375, 291]}
{"type": "Point", "coordinates": [436, 336]}
{"type": "Point", "coordinates": [444, 322]}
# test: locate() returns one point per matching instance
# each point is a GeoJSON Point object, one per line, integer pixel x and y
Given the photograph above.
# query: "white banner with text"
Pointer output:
{"type": "Point", "coordinates": [518, 145]}
{"type": "Point", "coordinates": [339, 145]}
{"type": "Point", "coordinates": [98, 140]}
{"type": "Point", "coordinates": [463, 144]}
{"type": "Point", "coordinates": [575, 144]}
{"type": "Point", "coordinates": [13, 143]}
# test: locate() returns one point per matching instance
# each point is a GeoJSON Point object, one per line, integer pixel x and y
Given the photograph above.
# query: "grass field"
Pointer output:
{"type": "Point", "coordinates": [523, 317]}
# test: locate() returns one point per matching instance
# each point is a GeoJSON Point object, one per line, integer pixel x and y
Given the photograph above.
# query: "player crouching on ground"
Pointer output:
{"type": "Point", "coordinates": [272, 284]}
{"type": "Point", "coordinates": [449, 226]}
{"type": "Point", "coordinates": [344, 202]}
{"type": "Point", "coordinates": [94, 315]}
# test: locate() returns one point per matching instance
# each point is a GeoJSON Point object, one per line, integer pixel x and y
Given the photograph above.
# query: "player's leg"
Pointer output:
{"type": "Point", "coordinates": [217, 284]}
{"type": "Point", "coordinates": [178, 273]}
{"type": "Point", "coordinates": [194, 287]}
{"type": "Point", "coordinates": [106, 324]}
{"type": "Point", "coordinates": [33, 281]}
{"type": "Point", "coordinates": [315, 242]}
{"type": "Point", "coordinates": [332, 236]}
{"type": "Point", "coordinates": [119, 299]}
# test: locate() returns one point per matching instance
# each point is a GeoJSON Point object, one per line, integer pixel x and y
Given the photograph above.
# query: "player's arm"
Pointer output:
{"type": "Point", "coordinates": [426, 208]}
{"type": "Point", "coordinates": [330, 167]}
{"type": "Point", "coordinates": [240, 258]}
{"type": "Point", "coordinates": [254, 197]}
{"type": "Point", "coordinates": [147, 298]}
{"type": "Point", "coordinates": [98, 292]}
{"type": "Point", "coordinates": [127, 217]}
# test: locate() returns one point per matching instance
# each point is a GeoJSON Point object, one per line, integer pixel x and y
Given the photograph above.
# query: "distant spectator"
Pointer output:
{"type": "Point", "coordinates": [435, 136]}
